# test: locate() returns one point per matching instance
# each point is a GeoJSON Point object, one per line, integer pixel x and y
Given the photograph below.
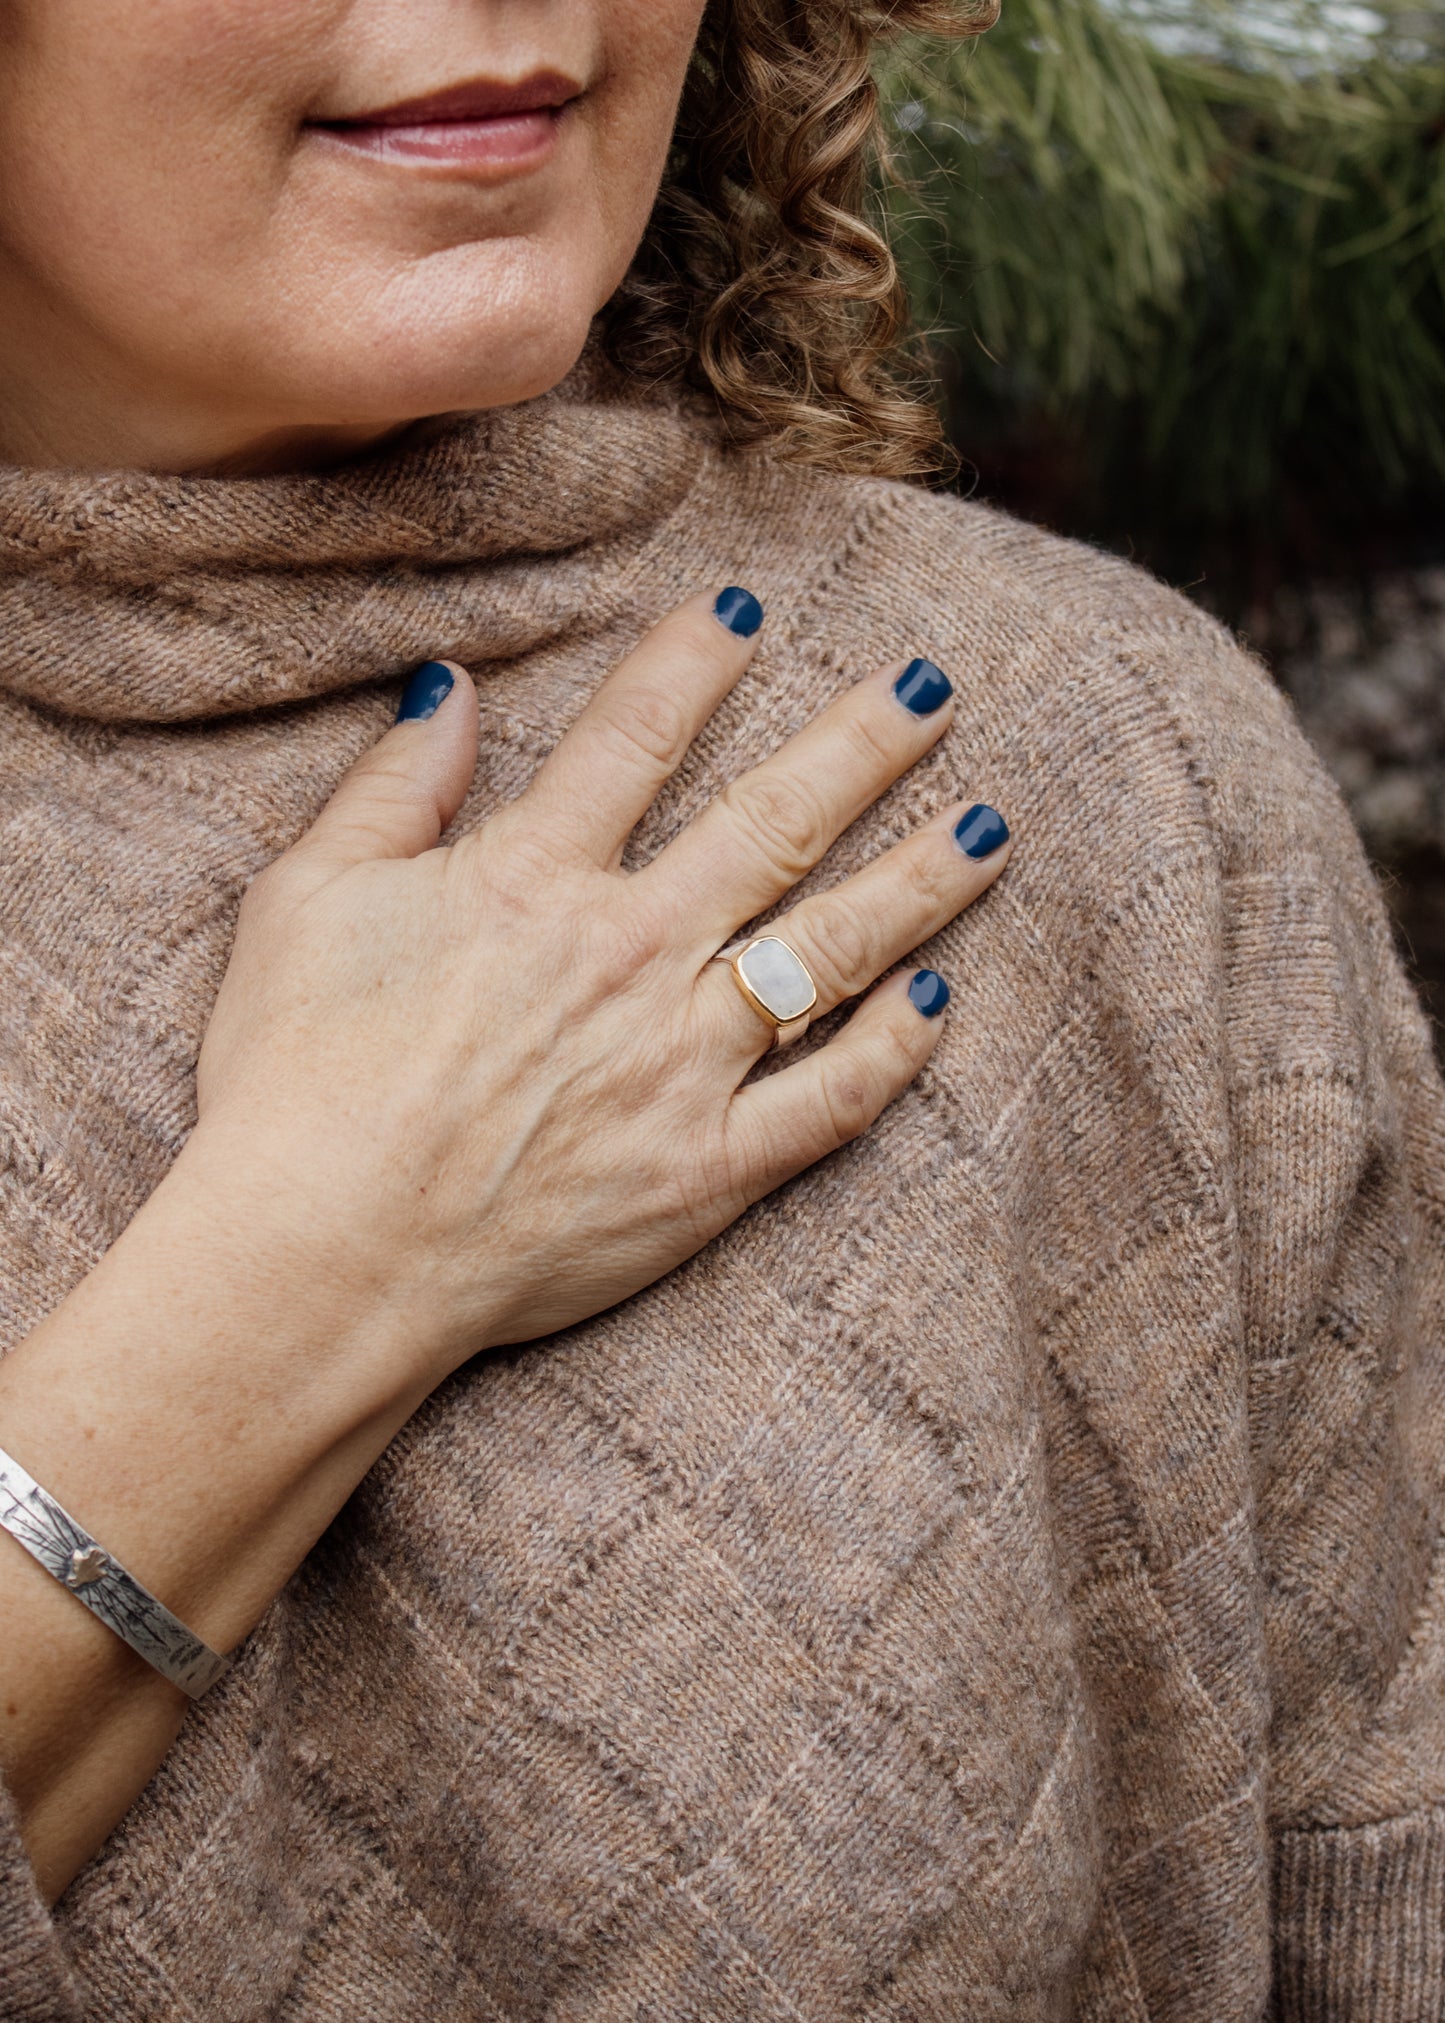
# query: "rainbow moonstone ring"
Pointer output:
{"type": "Point", "coordinates": [774, 979]}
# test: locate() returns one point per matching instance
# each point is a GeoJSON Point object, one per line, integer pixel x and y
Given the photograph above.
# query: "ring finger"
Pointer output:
{"type": "Point", "coordinates": [849, 936]}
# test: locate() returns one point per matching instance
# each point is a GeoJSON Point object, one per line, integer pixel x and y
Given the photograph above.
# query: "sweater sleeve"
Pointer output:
{"type": "Point", "coordinates": [36, 1985]}
{"type": "Point", "coordinates": [1338, 1123]}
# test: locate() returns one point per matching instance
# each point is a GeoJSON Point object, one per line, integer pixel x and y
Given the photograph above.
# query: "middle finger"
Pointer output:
{"type": "Point", "coordinates": [774, 823]}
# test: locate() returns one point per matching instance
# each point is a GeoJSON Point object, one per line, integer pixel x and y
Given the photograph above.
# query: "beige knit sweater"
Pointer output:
{"type": "Point", "coordinates": [1001, 1577]}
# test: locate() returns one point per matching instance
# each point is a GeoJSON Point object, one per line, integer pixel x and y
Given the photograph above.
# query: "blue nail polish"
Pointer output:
{"type": "Point", "coordinates": [928, 992]}
{"type": "Point", "coordinates": [738, 610]}
{"type": "Point", "coordinates": [922, 687]}
{"type": "Point", "coordinates": [426, 690]}
{"type": "Point", "coordinates": [981, 831]}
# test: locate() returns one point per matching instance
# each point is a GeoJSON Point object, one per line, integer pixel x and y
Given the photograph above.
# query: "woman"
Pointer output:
{"type": "Point", "coordinates": [989, 1577]}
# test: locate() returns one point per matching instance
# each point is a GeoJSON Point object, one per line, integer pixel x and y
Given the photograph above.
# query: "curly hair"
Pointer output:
{"type": "Point", "coordinates": [761, 282]}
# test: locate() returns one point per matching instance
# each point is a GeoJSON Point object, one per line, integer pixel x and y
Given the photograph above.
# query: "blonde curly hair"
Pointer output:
{"type": "Point", "coordinates": [761, 282]}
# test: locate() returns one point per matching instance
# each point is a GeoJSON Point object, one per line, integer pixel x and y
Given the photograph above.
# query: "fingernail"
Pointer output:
{"type": "Point", "coordinates": [928, 992]}
{"type": "Point", "coordinates": [922, 687]}
{"type": "Point", "coordinates": [981, 831]}
{"type": "Point", "coordinates": [738, 610]}
{"type": "Point", "coordinates": [426, 690]}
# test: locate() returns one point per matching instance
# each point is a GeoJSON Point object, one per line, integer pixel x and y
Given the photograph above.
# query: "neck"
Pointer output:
{"type": "Point", "coordinates": [41, 437]}
{"type": "Point", "coordinates": [138, 596]}
{"type": "Point", "coordinates": [64, 406]}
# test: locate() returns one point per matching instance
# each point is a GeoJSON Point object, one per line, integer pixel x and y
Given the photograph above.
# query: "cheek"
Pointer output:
{"type": "Point", "coordinates": [648, 47]}
{"type": "Point", "coordinates": [135, 132]}
{"type": "Point", "coordinates": [154, 178]}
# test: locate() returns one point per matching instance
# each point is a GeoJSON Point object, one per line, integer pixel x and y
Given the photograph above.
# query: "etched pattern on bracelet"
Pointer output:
{"type": "Point", "coordinates": [66, 1549]}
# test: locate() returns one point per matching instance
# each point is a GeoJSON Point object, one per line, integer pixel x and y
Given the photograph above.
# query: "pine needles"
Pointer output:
{"type": "Point", "coordinates": [1205, 241]}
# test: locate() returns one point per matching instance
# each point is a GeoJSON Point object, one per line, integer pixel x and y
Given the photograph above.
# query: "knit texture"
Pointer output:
{"type": "Point", "coordinates": [1001, 1576]}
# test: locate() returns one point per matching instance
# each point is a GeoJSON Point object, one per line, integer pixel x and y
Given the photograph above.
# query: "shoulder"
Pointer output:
{"type": "Point", "coordinates": [1043, 614]}
{"type": "Point", "coordinates": [1125, 692]}
{"type": "Point", "coordinates": [1167, 803]}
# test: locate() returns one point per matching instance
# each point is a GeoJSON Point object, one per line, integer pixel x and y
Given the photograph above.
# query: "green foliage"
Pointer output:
{"type": "Point", "coordinates": [1202, 241]}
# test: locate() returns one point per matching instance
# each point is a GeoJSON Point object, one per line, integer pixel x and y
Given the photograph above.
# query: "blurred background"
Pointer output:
{"type": "Point", "coordinates": [1183, 267]}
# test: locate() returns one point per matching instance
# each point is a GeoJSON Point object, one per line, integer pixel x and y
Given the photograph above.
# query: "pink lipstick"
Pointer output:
{"type": "Point", "coordinates": [481, 125]}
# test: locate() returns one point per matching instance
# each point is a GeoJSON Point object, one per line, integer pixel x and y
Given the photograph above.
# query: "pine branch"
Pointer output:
{"type": "Point", "coordinates": [1213, 233]}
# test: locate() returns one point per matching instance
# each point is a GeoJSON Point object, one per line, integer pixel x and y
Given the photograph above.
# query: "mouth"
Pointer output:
{"type": "Point", "coordinates": [481, 125]}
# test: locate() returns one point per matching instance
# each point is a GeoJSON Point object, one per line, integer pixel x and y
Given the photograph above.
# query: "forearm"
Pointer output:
{"type": "Point", "coordinates": [203, 1402]}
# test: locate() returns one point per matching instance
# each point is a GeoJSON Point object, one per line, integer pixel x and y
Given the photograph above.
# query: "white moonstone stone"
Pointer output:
{"type": "Point", "coordinates": [777, 979]}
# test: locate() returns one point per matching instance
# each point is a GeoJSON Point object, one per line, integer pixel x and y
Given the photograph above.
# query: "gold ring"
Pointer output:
{"type": "Point", "coordinates": [774, 979]}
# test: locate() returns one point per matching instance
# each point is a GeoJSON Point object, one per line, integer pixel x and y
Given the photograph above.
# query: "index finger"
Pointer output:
{"type": "Point", "coordinates": [604, 774]}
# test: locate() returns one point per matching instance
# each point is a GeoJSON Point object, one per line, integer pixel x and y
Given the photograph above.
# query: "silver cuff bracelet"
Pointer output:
{"type": "Point", "coordinates": [67, 1550]}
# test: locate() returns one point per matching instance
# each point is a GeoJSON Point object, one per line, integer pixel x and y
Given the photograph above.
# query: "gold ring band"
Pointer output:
{"type": "Point", "coordinates": [774, 979]}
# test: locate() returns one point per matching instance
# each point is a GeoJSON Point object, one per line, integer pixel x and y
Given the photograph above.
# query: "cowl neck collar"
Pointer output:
{"type": "Point", "coordinates": [126, 595]}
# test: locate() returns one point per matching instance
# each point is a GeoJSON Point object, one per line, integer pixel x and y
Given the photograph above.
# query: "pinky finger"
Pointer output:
{"type": "Point", "coordinates": [800, 1115]}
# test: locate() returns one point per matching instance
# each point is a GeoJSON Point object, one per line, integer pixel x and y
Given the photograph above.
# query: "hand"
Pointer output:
{"type": "Point", "coordinates": [448, 1097]}
{"type": "Point", "coordinates": [500, 1084]}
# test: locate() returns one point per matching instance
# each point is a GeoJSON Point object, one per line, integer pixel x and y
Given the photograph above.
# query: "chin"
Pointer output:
{"type": "Point", "coordinates": [433, 347]}
{"type": "Point", "coordinates": [514, 373]}
{"type": "Point", "coordinates": [484, 375]}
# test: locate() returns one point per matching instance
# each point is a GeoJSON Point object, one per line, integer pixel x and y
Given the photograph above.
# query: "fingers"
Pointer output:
{"type": "Point", "coordinates": [849, 936]}
{"type": "Point", "coordinates": [774, 823]}
{"type": "Point", "coordinates": [804, 1112]}
{"type": "Point", "coordinates": [604, 775]}
{"type": "Point", "coordinates": [398, 797]}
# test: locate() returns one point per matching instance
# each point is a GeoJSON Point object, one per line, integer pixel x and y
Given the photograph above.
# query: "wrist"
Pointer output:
{"type": "Point", "coordinates": [206, 1399]}
{"type": "Point", "coordinates": [287, 1245]}
{"type": "Point", "coordinates": [202, 1403]}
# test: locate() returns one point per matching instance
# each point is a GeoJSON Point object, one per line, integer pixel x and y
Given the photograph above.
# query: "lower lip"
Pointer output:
{"type": "Point", "coordinates": [513, 140]}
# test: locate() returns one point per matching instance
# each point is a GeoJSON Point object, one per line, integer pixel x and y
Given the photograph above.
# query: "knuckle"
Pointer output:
{"type": "Point", "coordinates": [515, 846]}
{"type": "Point", "coordinates": [900, 1058]}
{"type": "Point", "coordinates": [622, 947]}
{"type": "Point", "coordinates": [647, 723]}
{"type": "Point", "coordinates": [781, 817]}
{"type": "Point", "coordinates": [384, 781]}
{"type": "Point", "coordinates": [361, 833]}
{"type": "Point", "coordinates": [509, 868]}
{"type": "Point", "coordinates": [840, 946]}
{"type": "Point", "coordinates": [727, 1171]}
{"type": "Point", "coordinates": [850, 1100]}
{"type": "Point", "coordinates": [932, 875]}
{"type": "Point", "coordinates": [868, 737]}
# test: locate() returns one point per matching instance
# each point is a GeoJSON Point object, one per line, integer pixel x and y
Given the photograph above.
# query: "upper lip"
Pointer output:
{"type": "Point", "coordinates": [480, 98]}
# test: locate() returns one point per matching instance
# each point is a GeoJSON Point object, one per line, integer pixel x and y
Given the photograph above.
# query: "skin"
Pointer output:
{"type": "Point", "coordinates": [191, 277]}
{"type": "Point", "coordinates": [450, 1097]}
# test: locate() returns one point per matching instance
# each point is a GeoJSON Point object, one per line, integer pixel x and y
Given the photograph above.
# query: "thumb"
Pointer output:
{"type": "Point", "coordinates": [398, 797]}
